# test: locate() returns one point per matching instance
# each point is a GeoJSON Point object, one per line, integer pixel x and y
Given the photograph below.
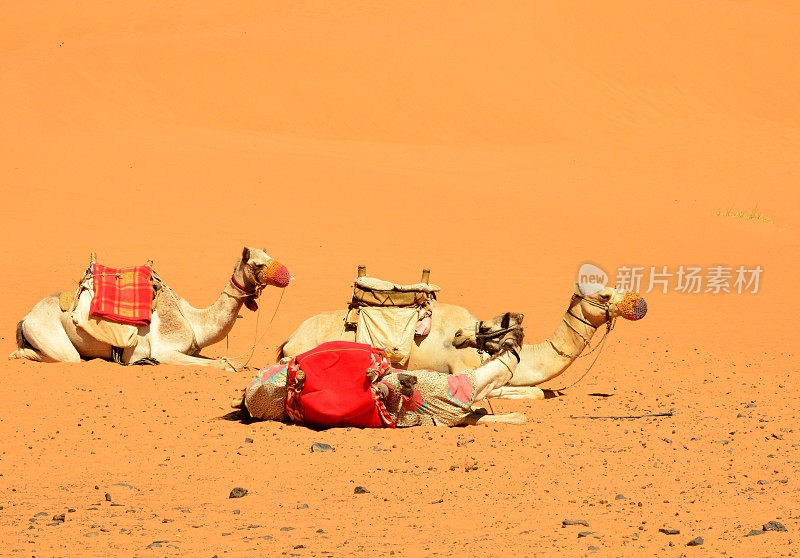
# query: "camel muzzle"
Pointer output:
{"type": "Point", "coordinates": [632, 307]}
{"type": "Point", "coordinates": [275, 274]}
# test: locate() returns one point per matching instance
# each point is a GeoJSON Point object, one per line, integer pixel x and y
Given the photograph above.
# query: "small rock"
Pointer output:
{"type": "Point", "coordinates": [108, 497]}
{"type": "Point", "coordinates": [585, 534]}
{"type": "Point", "coordinates": [91, 534]}
{"type": "Point", "coordinates": [360, 490]}
{"type": "Point", "coordinates": [63, 517]}
{"type": "Point", "coordinates": [318, 446]}
{"type": "Point", "coordinates": [697, 541]}
{"type": "Point", "coordinates": [248, 440]}
{"type": "Point", "coordinates": [320, 531]}
{"type": "Point", "coordinates": [574, 522]}
{"type": "Point", "coordinates": [287, 528]}
{"type": "Point", "coordinates": [437, 501]}
{"type": "Point", "coordinates": [302, 506]}
{"type": "Point", "coordinates": [620, 497]}
{"type": "Point", "coordinates": [769, 526]}
{"type": "Point", "coordinates": [463, 442]}
{"type": "Point", "coordinates": [238, 492]}
{"type": "Point", "coordinates": [237, 512]}
{"type": "Point", "coordinates": [754, 532]}
{"type": "Point", "coordinates": [670, 531]}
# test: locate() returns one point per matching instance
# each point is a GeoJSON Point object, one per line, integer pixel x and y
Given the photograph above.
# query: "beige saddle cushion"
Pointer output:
{"type": "Point", "coordinates": [105, 331]}
{"type": "Point", "coordinates": [390, 328]}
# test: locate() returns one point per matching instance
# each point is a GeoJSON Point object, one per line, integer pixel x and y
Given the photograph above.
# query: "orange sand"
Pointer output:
{"type": "Point", "coordinates": [500, 144]}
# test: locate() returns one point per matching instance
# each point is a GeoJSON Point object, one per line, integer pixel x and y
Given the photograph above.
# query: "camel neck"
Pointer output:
{"type": "Point", "coordinates": [542, 362]}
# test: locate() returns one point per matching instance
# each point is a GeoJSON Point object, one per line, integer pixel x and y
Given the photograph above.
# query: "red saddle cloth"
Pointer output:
{"type": "Point", "coordinates": [123, 295]}
{"type": "Point", "coordinates": [336, 390]}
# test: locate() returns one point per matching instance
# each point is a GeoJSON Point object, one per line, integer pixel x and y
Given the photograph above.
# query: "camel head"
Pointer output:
{"type": "Point", "coordinates": [256, 270]}
{"type": "Point", "coordinates": [600, 304]}
{"type": "Point", "coordinates": [488, 334]}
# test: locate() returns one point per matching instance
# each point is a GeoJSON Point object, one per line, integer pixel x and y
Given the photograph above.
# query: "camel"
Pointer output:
{"type": "Point", "coordinates": [590, 307]}
{"type": "Point", "coordinates": [421, 397]}
{"type": "Point", "coordinates": [177, 331]}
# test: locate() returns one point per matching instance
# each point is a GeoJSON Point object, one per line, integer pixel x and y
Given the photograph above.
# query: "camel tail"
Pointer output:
{"type": "Point", "coordinates": [279, 354]}
{"type": "Point", "coordinates": [22, 343]}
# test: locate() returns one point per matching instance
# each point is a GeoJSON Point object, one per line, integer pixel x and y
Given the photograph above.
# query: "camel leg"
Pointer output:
{"type": "Point", "coordinates": [479, 416]}
{"type": "Point", "coordinates": [237, 401]}
{"type": "Point", "coordinates": [174, 357]}
{"type": "Point", "coordinates": [517, 392]}
{"type": "Point", "coordinates": [494, 374]}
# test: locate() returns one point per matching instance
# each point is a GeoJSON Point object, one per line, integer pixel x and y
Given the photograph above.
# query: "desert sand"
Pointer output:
{"type": "Point", "coordinates": [502, 145]}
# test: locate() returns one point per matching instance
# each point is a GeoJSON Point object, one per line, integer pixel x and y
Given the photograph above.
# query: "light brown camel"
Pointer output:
{"type": "Point", "coordinates": [590, 307]}
{"type": "Point", "coordinates": [177, 331]}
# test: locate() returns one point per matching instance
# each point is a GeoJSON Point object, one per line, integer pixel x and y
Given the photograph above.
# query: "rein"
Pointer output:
{"type": "Point", "coordinates": [609, 326]}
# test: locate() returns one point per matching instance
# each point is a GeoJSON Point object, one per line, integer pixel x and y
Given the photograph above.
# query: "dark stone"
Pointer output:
{"type": "Point", "coordinates": [248, 440]}
{"type": "Point", "coordinates": [620, 497]}
{"type": "Point", "coordinates": [319, 446]}
{"type": "Point", "coordinates": [63, 517]}
{"type": "Point", "coordinates": [754, 532]}
{"type": "Point", "coordinates": [360, 490]}
{"type": "Point", "coordinates": [238, 492]}
{"type": "Point", "coordinates": [585, 534]}
{"type": "Point", "coordinates": [108, 497]}
{"type": "Point", "coordinates": [670, 531]}
{"type": "Point", "coordinates": [237, 512]}
{"type": "Point", "coordinates": [465, 442]}
{"type": "Point", "coordinates": [287, 528]}
{"type": "Point", "coordinates": [302, 506]}
{"type": "Point", "coordinates": [697, 541]}
{"type": "Point", "coordinates": [770, 526]}
{"type": "Point", "coordinates": [91, 534]}
{"type": "Point", "coordinates": [567, 522]}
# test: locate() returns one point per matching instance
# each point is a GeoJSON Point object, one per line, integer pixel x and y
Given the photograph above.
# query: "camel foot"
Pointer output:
{"type": "Point", "coordinates": [479, 416]}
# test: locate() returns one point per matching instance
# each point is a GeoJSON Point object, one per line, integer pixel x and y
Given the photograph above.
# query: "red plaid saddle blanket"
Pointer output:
{"type": "Point", "coordinates": [122, 295]}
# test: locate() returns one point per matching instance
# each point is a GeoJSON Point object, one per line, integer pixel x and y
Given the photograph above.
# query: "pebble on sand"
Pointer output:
{"type": "Point", "coordinates": [360, 490]}
{"type": "Point", "coordinates": [567, 522]}
{"type": "Point", "coordinates": [319, 446]}
{"type": "Point", "coordinates": [697, 541]}
{"type": "Point", "coordinates": [773, 526]}
{"type": "Point", "coordinates": [238, 492]}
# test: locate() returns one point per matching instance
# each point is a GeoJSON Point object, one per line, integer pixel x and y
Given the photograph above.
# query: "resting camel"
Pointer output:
{"type": "Point", "coordinates": [177, 331]}
{"type": "Point", "coordinates": [420, 397]}
{"type": "Point", "coordinates": [590, 307]}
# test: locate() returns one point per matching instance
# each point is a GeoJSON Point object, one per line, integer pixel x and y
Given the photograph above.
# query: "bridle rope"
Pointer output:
{"type": "Point", "coordinates": [606, 306]}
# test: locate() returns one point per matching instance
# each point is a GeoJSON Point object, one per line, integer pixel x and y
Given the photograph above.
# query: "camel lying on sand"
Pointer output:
{"type": "Point", "coordinates": [177, 331]}
{"type": "Point", "coordinates": [401, 398]}
{"type": "Point", "coordinates": [590, 307]}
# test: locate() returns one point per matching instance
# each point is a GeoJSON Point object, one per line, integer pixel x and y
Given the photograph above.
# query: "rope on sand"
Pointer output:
{"type": "Point", "coordinates": [670, 413]}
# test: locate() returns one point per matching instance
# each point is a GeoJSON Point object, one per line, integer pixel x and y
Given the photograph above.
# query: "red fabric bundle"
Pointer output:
{"type": "Point", "coordinates": [336, 390]}
{"type": "Point", "coordinates": [122, 295]}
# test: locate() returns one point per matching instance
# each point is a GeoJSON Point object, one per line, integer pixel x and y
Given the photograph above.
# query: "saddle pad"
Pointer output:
{"type": "Point", "coordinates": [388, 328]}
{"type": "Point", "coordinates": [336, 390]}
{"type": "Point", "coordinates": [105, 331]}
{"type": "Point", "coordinates": [122, 295]}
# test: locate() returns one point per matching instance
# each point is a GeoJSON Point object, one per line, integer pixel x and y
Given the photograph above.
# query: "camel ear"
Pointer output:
{"type": "Point", "coordinates": [245, 254]}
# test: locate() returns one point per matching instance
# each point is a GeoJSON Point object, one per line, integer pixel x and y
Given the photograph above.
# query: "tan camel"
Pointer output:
{"type": "Point", "coordinates": [177, 331]}
{"type": "Point", "coordinates": [590, 307]}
